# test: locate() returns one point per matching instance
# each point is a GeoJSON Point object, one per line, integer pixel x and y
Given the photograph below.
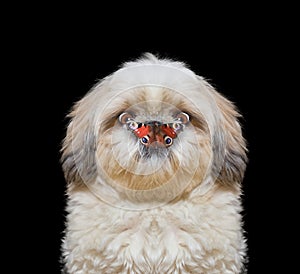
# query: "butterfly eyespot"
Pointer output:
{"type": "Point", "coordinates": [125, 117]}
{"type": "Point", "coordinates": [132, 125]}
{"type": "Point", "coordinates": [168, 140]}
{"type": "Point", "coordinates": [182, 118]}
{"type": "Point", "coordinates": [144, 140]}
{"type": "Point", "coordinates": [176, 126]}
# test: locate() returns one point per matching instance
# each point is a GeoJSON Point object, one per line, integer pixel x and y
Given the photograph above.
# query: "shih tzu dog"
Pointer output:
{"type": "Point", "coordinates": [154, 158]}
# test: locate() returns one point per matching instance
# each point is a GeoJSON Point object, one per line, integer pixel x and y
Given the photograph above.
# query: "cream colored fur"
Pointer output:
{"type": "Point", "coordinates": [174, 210]}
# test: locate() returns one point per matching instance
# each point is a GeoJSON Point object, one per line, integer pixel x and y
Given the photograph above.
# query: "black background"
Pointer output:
{"type": "Point", "coordinates": [56, 65]}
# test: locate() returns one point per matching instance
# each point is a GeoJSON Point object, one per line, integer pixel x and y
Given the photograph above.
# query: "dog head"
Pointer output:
{"type": "Point", "coordinates": [152, 132]}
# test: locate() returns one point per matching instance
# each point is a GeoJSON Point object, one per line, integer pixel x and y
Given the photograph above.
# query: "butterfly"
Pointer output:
{"type": "Point", "coordinates": [154, 131]}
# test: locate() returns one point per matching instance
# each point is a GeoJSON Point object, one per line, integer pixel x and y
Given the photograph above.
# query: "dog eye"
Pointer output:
{"type": "Point", "coordinates": [125, 117]}
{"type": "Point", "coordinates": [182, 117]}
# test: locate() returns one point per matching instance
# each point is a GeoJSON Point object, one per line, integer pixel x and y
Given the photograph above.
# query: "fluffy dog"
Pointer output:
{"type": "Point", "coordinates": [154, 158]}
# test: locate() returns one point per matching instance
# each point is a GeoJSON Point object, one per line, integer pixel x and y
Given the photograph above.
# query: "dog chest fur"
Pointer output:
{"type": "Point", "coordinates": [182, 237]}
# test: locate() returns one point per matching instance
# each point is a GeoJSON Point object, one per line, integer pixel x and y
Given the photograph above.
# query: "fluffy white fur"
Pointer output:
{"type": "Point", "coordinates": [166, 210]}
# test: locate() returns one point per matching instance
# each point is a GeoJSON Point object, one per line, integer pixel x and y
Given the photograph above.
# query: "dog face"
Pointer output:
{"type": "Point", "coordinates": [153, 132]}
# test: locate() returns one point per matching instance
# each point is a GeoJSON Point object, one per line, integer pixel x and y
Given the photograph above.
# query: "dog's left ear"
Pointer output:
{"type": "Point", "coordinates": [228, 144]}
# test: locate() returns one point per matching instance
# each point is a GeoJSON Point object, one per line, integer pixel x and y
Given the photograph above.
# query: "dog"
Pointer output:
{"type": "Point", "coordinates": [154, 159]}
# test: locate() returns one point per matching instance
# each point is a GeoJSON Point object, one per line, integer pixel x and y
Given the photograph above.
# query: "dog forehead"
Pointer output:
{"type": "Point", "coordinates": [163, 75]}
{"type": "Point", "coordinates": [150, 97]}
{"type": "Point", "coordinates": [153, 110]}
{"type": "Point", "coordinates": [154, 95]}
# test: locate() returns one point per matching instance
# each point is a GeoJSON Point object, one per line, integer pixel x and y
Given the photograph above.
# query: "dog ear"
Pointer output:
{"type": "Point", "coordinates": [78, 148]}
{"type": "Point", "coordinates": [228, 144]}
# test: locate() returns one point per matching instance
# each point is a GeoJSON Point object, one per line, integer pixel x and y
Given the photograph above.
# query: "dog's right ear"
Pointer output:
{"type": "Point", "coordinates": [229, 143]}
{"type": "Point", "coordinates": [78, 148]}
